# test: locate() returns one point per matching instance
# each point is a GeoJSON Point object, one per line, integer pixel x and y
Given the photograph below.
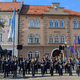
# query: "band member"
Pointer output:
{"type": "Point", "coordinates": [21, 67]}
{"type": "Point", "coordinates": [42, 66]}
{"type": "Point", "coordinates": [36, 65]}
{"type": "Point", "coordinates": [69, 68]}
{"type": "Point", "coordinates": [23, 63]}
{"type": "Point", "coordinates": [6, 67]}
{"type": "Point", "coordinates": [33, 67]}
{"type": "Point", "coordinates": [66, 66]}
{"type": "Point", "coordinates": [79, 67]}
{"type": "Point", "coordinates": [15, 67]}
{"type": "Point", "coordinates": [56, 64]}
{"type": "Point", "coordinates": [20, 58]}
{"type": "Point", "coordinates": [27, 65]}
{"type": "Point", "coordinates": [60, 67]}
{"type": "Point", "coordinates": [51, 67]}
{"type": "Point", "coordinates": [2, 61]}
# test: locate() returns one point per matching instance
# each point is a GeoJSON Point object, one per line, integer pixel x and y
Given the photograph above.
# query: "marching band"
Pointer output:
{"type": "Point", "coordinates": [24, 65]}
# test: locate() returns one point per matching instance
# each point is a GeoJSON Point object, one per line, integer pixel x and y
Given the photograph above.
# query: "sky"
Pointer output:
{"type": "Point", "coordinates": [68, 4]}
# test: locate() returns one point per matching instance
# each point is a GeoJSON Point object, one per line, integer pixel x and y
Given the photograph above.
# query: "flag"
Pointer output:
{"type": "Point", "coordinates": [62, 51]}
{"type": "Point", "coordinates": [71, 49]}
{"type": "Point", "coordinates": [78, 40]}
{"type": "Point", "coordinates": [11, 31]}
{"type": "Point", "coordinates": [75, 49]}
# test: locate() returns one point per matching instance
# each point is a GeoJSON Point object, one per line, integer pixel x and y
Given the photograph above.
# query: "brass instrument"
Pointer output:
{"type": "Point", "coordinates": [36, 62]}
{"type": "Point", "coordinates": [56, 63]}
{"type": "Point", "coordinates": [65, 63]}
{"type": "Point", "coordinates": [28, 61]}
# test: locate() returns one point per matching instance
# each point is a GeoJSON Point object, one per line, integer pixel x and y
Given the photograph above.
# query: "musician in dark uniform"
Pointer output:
{"type": "Point", "coordinates": [36, 65]}
{"type": "Point", "coordinates": [79, 68]}
{"type": "Point", "coordinates": [33, 66]}
{"type": "Point", "coordinates": [20, 58]}
{"type": "Point", "coordinates": [6, 67]}
{"type": "Point", "coordinates": [15, 67]}
{"type": "Point", "coordinates": [42, 66]}
{"type": "Point", "coordinates": [60, 67]}
{"type": "Point", "coordinates": [23, 63]}
{"type": "Point", "coordinates": [2, 61]}
{"type": "Point", "coordinates": [56, 66]}
{"type": "Point", "coordinates": [51, 67]}
{"type": "Point", "coordinates": [27, 64]}
{"type": "Point", "coordinates": [20, 66]}
{"type": "Point", "coordinates": [66, 66]}
{"type": "Point", "coordinates": [69, 67]}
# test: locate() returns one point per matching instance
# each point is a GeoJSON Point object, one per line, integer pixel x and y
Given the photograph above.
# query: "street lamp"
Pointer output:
{"type": "Point", "coordinates": [65, 49]}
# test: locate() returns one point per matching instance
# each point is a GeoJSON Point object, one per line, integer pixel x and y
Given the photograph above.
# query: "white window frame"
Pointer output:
{"type": "Point", "coordinates": [49, 39]}
{"type": "Point", "coordinates": [76, 39]}
{"type": "Point", "coordinates": [29, 38]}
{"type": "Point", "coordinates": [55, 39]}
{"type": "Point", "coordinates": [1, 20]}
{"type": "Point", "coordinates": [37, 22]}
{"type": "Point", "coordinates": [50, 23]}
{"type": "Point", "coordinates": [37, 54]}
{"type": "Point", "coordinates": [30, 23]}
{"type": "Point", "coordinates": [9, 21]}
{"type": "Point", "coordinates": [57, 22]}
{"type": "Point", "coordinates": [79, 24]}
{"type": "Point", "coordinates": [2, 36]}
{"type": "Point", "coordinates": [73, 24]}
{"type": "Point", "coordinates": [30, 54]}
{"type": "Point", "coordinates": [64, 38]}
{"type": "Point", "coordinates": [37, 37]}
{"type": "Point", "coordinates": [60, 24]}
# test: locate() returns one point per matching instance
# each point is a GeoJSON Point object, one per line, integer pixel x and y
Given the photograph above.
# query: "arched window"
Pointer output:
{"type": "Point", "coordinates": [36, 23]}
{"type": "Point", "coordinates": [76, 38]}
{"type": "Point", "coordinates": [10, 21]}
{"type": "Point", "coordinates": [79, 24]}
{"type": "Point", "coordinates": [51, 39]}
{"type": "Point", "coordinates": [51, 23]}
{"type": "Point", "coordinates": [30, 54]}
{"type": "Point", "coordinates": [36, 39]}
{"type": "Point", "coordinates": [30, 38]}
{"type": "Point", "coordinates": [62, 39]}
{"type": "Point", "coordinates": [1, 36]}
{"type": "Point", "coordinates": [56, 39]}
{"type": "Point", "coordinates": [56, 23]}
{"type": "Point", "coordinates": [31, 23]}
{"type": "Point", "coordinates": [61, 24]}
{"type": "Point", "coordinates": [75, 24]}
{"type": "Point", "coordinates": [37, 54]}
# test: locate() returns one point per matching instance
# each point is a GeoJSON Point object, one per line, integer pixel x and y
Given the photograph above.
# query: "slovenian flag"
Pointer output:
{"type": "Point", "coordinates": [75, 49]}
{"type": "Point", "coordinates": [71, 49]}
{"type": "Point", "coordinates": [78, 40]}
{"type": "Point", "coordinates": [11, 31]}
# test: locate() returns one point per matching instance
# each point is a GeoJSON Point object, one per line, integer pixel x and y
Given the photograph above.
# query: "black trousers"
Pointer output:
{"type": "Point", "coordinates": [23, 72]}
{"type": "Point", "coordinates": [69, 70]}
{"type": "Point", "coordinates": [66, 68]}
{"type": "Point", "coordinates": [15, 73]}
{"type": "Point", "coordinates": [56, 67]}
{"type": "Point", "coordinates": [51, 71]}
{"type": "Point", "coordinates": [42, 70]}
{"type": "Point", "coordinates": [6, 72]}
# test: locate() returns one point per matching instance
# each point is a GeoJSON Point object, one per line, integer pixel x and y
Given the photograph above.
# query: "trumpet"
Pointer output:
{"type": "Point", "coordinates": [65, 63]}
{"type": "Point", "coordinates": [56, 63]}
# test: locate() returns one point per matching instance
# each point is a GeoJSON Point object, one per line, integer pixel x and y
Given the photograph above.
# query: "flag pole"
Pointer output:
{"type": "Point", "coordinates": [14, 35]}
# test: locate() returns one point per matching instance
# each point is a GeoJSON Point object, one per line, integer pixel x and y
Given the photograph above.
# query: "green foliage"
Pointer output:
{"type": "Point", "coordinates": [2, 24]}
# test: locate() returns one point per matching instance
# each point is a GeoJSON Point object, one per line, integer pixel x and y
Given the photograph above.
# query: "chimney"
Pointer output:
{"type": "Point", "coordinates": [14, 1]}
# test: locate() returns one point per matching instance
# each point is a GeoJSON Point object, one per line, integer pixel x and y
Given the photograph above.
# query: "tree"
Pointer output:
{"type": "Point", "coordinates": [2, 24]}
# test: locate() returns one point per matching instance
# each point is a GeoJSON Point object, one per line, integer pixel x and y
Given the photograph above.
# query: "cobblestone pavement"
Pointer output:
{"type": "Point", "coordinates": [46, 77]}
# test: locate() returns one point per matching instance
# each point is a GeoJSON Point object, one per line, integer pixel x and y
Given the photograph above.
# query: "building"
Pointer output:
{"type": "Point", "coordinates": [6, 13]}
{"type": "Point", "coordinates": [43, 28]}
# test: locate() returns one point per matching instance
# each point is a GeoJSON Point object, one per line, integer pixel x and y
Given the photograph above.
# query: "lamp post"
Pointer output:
{"type": "Point", "coordinates": [65, 49]}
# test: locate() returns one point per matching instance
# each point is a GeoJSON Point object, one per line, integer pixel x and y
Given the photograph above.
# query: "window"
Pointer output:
{"type": "Point", "coordinates": [61, 24]}
{"type": "Point", "coordinates": [56, 39]}
{"type": "Point", "coordinates": [75, 24]}
{"type": "Point", "coordinates": [31, 23]}
{"type": "Point", "coordinates": [37, 54]}
{"type": "Point", "coordinates": [56, 24]}
{"type": "Point", "coordinates": [51, 23]}
{"type": "Point", "coordinates": [51, 39]}
{"type": "Point", "coordinates": [1, 20]}
{"type": "Point", "coordinates": [7, 37]}
{"type": "Point", "coordinates": [36, 23]}
{"type": "Point", "coordinates": [79, 24]}
{"type": "Point", "coordinates": [36, 39]}
{"type": "Point", "coordinates": [62, 39]}
{"type": "Point", "coordinates": [9, 21]}
{"type": "Point", "coordinates": [1, 36]}
{"type": "Point", "coordinates": [30, 38]}
{"type": "Point", "coordinates": [30, 54]}
{"type": "Point", "coordinates": [76, 38]}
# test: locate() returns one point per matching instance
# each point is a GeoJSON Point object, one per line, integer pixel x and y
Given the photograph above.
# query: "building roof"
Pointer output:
{"type": "Point", "coordinates": [4, 6]}
{"type": "Point", "coordinates": [30, 9]}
